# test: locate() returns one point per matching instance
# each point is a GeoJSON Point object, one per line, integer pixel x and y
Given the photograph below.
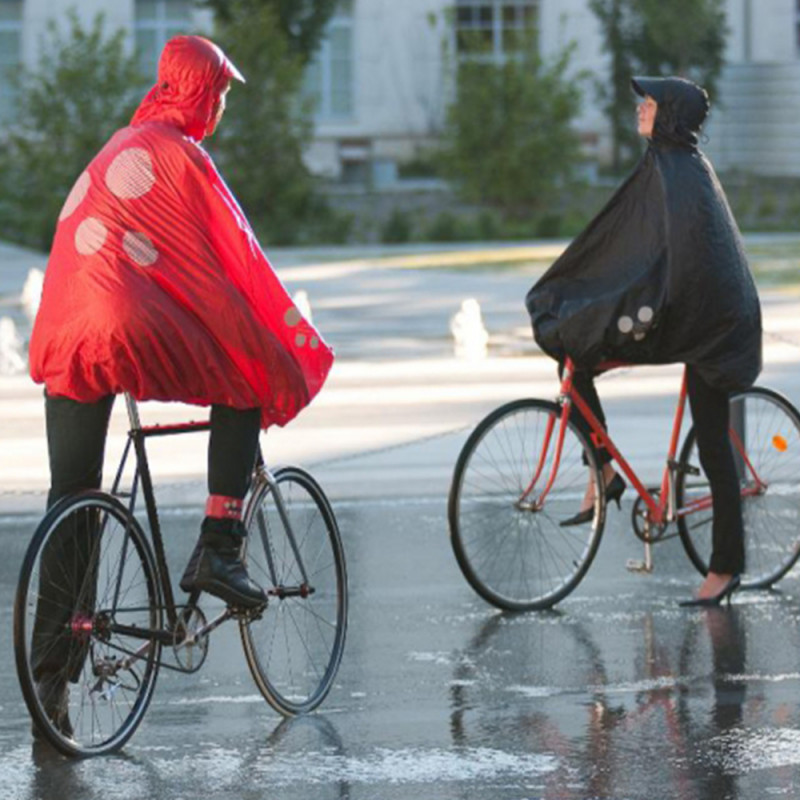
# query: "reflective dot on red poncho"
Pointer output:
{"type": "Point", "coordinates": [292, 317]}
{"type": "Point", "coordinates": [139, 248]}
{"type": "Point", "coordinates": [76, 195]}
{"type": "Point", "coordinates": [90, 236]}
{"type": "Point", "coordinates": [130, 174]}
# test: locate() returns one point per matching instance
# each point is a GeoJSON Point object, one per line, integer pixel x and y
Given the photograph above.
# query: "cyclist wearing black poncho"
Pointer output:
{"type": "Point", "coordinates": [660, 276]}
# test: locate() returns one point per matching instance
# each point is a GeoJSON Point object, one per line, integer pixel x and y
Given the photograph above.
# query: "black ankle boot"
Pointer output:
{"type": "Point", "coordinates": [220, 570]}
{"type": "Point", "coordinates": [187, 581]}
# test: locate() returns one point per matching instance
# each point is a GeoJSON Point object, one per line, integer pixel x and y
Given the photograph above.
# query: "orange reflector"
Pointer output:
{"type": "Point", "coordinates": [779, 443]}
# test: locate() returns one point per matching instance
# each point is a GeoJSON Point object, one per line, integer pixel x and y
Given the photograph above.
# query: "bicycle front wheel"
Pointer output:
{"type": "Point", "coordinates": [87, 580]}
{"type": "Point", "coordinates": [294, 551]}
{"type": "Point", "coordinates": [514, 552]}
{"type": "Point", "coordinates": [766, 446]}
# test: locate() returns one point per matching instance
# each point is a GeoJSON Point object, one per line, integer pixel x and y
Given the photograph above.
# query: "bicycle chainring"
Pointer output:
{"type": "Point", "coordinates": [190, 651]}
{"type": "Point", "coordinates": [644, 529]}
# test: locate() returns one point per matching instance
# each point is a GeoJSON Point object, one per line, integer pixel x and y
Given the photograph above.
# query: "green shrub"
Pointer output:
{"type": "Point", "coordinates": [444, 228]}
{"type": "Point", "coordinates": [397, 228]}
{"type": "Point", "coordinates": [549, 226]}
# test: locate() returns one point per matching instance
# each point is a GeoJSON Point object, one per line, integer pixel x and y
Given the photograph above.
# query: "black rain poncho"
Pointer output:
{"type": "Point", "coordinates": [660, 274]}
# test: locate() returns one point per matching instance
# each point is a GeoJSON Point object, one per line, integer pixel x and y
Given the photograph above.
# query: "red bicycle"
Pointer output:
{"type": "Point", "coordinates": [523, 470]}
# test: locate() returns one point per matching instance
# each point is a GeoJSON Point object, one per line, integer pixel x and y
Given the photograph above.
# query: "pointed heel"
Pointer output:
{"type": "Point", "coordinates": [725, 593]}
{"type": "Point", "coordinates": [581, 518]}
{"type": "Point", "coordinates": [614, 491]}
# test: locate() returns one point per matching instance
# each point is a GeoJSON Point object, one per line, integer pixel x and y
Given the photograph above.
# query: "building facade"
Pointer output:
{"type": "Point", "coordinates": [382, 78]}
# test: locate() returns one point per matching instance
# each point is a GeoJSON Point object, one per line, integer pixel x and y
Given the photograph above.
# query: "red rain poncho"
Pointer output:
{"type": "Point", "coordinates": [156, 284]}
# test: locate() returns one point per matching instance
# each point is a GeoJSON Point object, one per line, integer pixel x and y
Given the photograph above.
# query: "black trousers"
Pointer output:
{"type": "Point", "coordinates": [583, 382]}
{"type": "Point", "coordinates": [710, 409]}
{"type": "Point", "coordinates": [76, 439]}
{"type": "Point", "coordinates": [76, 442]}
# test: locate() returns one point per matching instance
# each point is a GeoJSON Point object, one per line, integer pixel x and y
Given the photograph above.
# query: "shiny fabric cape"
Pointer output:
{"type": "Point", "coordinates": [157, 286]}
{"type": "Point", "coordinates": [659, 276]}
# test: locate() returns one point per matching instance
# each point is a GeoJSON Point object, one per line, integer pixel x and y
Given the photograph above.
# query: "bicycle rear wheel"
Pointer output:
{"type": "Point", "coordinates": [295, 647]}
{"type": "Point", "coordinates": [516, 556]}
{"type": "Point", "coordinates": [768, 426]}
{"type": "Point", "coordinates": [88, 570]}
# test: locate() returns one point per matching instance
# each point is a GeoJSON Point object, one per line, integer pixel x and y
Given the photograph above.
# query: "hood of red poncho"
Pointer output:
{"type": "Point", "coordinates": [192, 73]}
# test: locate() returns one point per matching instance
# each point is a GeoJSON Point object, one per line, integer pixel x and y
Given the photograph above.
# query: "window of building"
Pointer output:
{"type": "Point", "coordinates": [10, 54]}
{"type": "Point", "coordinates": [495, 28]}
{"type": "Point", "coordinates": [329, 77]}
{"type": "Point", "coordinates": [156, 22]}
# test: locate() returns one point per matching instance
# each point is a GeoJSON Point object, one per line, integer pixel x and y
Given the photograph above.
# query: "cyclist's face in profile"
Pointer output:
{"type": "Point", "coordinates": [646, 116]}
{"type": "Point", "coordinates": [219, 108]}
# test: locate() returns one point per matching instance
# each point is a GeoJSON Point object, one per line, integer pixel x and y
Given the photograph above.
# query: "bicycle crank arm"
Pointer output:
{"type": "Point", "coordinates": [208, 627]}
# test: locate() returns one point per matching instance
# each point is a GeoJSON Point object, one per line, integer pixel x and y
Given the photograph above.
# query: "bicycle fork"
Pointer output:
{"type": "Point", "coordinates": [523, 503]}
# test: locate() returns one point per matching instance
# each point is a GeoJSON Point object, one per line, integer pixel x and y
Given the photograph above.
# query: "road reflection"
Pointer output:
{"type": "Point", "coordinates": [673, 704]}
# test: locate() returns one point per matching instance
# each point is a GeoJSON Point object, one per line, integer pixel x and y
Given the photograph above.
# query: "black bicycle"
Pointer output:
{"type": "Point", "coordinates": [122, 622]}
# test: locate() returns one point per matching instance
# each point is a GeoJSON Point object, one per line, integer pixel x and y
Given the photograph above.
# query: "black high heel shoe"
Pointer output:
{"type": "Point", "coordinates": [726, 591]}
{"type": "Point", "coordinates": [614, 492]}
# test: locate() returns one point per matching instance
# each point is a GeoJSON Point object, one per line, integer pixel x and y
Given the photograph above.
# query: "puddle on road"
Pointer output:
{"type": "Point", "coordinates": [739, 751]}
{"type": "Point", "coordinates": [413, 765]}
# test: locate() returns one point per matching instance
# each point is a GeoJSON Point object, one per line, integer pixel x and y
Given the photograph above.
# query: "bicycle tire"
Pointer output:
{"type": "Point", "coordinates": [771, 518]}
{"type": "Point", "coordinates": [520, 559]}
{"type": "Point", "coordinates": [88, 567]}
{"type": "Point", "coordinates": [294, 649]}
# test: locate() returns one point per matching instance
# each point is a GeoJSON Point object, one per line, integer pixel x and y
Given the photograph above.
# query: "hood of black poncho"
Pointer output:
{"type": "Point", "coordinates": [682, 108]}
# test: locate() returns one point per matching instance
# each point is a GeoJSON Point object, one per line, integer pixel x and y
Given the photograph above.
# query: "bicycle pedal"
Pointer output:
{"type": "Point", "coordinates": [637, 565]}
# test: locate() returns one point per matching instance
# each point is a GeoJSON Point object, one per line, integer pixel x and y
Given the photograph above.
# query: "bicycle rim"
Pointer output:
{"type": "Point", "coordinates": [295, 648]}
{"type": "Point", "coordinates": [769, 429]}
{"type": "Point", "coordinates": [515, 557]}
{"type": "Point", "coordinates": [88, 569]}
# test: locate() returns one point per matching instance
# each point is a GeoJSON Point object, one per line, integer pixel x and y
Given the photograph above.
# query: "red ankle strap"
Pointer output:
{"type": "Point", "coordinates": [223, 507]}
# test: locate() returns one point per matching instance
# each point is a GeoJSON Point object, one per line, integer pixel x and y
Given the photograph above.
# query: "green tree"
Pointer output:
{"type": "Point", "coordinates": [614, 91]}
{"type": "Point", "coordinates": [651, 37]}
{"type": "Point", "coordinates": [682, 37]}
{"type": "Point", "coordinates": [83, 88]}
{"type": "Point", "coordinates": [302, 22]}
{"type": "Point", "coordinates": [266, 128]}
{"type": "Point", "coordinates": [509, 138]}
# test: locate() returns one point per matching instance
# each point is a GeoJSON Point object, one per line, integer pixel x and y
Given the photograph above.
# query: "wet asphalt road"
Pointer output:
{"type": "Point", "coordinates": [617, 694]}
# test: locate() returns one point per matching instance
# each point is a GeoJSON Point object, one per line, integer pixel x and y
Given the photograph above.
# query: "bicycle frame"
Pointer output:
{"type": "Point", "coordinates": [661, 511]}
{"type": "Point", "coordinates": [137, 436]}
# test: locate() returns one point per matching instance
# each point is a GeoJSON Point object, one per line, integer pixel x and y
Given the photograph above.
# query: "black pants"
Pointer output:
{"type": "Point", "coordinates": [583, 382]}
{"type": "Point", "coordinates": [76, 439]}
{"type": "Point", "coordinates": [76, 442]}
{"type": "Point", "coordinates": [710, 409]}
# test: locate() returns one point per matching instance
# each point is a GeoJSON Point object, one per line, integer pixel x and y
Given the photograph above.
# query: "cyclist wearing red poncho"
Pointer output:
{"type": "Point", "coordinates": [157, 286]}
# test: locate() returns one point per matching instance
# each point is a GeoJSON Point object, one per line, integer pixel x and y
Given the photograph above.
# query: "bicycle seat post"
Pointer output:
{"type": "Point", "coordinates": [133, 412]}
